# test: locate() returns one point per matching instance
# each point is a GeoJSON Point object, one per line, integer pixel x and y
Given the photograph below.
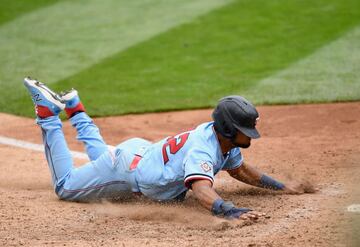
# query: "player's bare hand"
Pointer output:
{"type": "Point", "coordinates": [252, 215]}
{"type": "Point", "coordinates": [243, 214]}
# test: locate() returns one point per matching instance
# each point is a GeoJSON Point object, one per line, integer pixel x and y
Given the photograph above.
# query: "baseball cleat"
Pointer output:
{"type": "Point", "coordinates": [72, 102]}
{"type": "Point", "coordinates": [47, 102]}
{"type": "Point", "coordinates": [71, 98]}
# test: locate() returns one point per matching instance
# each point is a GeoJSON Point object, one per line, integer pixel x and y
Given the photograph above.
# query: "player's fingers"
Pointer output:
{"type": "Point", "coordinates": [251, 215]}
{"type": "Point", "coordinates": [258, 214]}
{"type": "Point", "coordinates": [244, 217]}
{"type": "Point", "coordinates": [247, 216]}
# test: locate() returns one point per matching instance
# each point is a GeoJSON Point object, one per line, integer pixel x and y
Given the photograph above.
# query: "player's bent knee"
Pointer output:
{"type": "Point", "coordinates": [65, 195]}
{"type": "Point", "coordinates": [77, 195]}
{"type": "Point", "coordinates": [60, 194]}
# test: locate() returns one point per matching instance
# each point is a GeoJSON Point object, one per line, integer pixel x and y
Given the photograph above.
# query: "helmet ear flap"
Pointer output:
{"type": "Point", "coordinates": [228, 131]}
{"type": "Point", "coordinates": [222, 123]}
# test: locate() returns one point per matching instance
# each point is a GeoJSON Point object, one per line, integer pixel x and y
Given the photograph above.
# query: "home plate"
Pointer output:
{"type": "Point", "coordinates": [354, 208]}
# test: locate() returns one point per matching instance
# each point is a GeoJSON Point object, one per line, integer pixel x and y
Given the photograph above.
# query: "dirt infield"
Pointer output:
{"type": "Point", "coordinates": [315, 143]}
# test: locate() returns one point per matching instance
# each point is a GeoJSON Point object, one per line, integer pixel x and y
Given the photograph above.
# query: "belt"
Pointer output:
{"type": "Point", "coordinates": [135, 161]}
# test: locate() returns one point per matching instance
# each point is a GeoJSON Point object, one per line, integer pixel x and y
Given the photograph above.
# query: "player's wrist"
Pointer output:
{"type": "Point", "coordinates": [227, 209]}
{"type": "Point", "coordinates": [216, 207]}
{"type": "Point", "coordinates": [220, 207]}
{"type": "Point", "coordinates": [268, 182]}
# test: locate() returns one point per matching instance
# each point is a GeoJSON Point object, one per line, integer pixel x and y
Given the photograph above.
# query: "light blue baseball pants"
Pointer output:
{"type": "Point", "coordinates": [107, 175]}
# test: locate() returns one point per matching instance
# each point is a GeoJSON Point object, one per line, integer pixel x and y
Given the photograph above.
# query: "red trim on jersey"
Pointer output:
{"type": "Point", "coordinates": [188, 181]}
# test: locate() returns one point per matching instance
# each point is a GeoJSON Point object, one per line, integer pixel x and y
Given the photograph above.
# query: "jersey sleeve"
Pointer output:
{"type": "Point", "coordinates": [235, 160]}
{"type": "Point", "coordinates": [198, 165]}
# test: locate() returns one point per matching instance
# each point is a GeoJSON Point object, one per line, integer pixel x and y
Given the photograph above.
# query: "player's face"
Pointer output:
{"type": "Point", "coordinates": [242, 140]}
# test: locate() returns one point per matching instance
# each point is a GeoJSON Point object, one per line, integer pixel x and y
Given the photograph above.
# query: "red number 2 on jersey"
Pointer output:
{"type": "Point", "coordinates": [175, 144]}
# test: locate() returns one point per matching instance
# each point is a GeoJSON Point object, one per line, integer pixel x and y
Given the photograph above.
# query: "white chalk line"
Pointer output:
{"type": "Point", "coordinates": [35, 147]}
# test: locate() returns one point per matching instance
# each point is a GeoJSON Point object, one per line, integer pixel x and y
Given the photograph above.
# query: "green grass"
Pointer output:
{"type": "Point", "coordinates": [12, 9]}
{"type": "Point", "coordinates": [64, 38]}
{"type": "Point", "coordinates": [234, 49]}
{"type": "Point", "coordinates": [331, 73]}
{"type": "Point", "coordinates": [224, 52]}
{"type": "Point", "coordinates": [354, 238]}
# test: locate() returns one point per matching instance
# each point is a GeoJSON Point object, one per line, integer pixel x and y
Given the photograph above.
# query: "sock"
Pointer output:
{"type": "Point", "coordinates": [70, 112]}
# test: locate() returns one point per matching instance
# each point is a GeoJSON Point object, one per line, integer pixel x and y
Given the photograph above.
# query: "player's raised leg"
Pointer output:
{"type": "Point", "coordinates": [88, 132]}
{"type": "Point", "coordinates": [102, 178]}
{"type": "Point", "coordinates": [48, 105]}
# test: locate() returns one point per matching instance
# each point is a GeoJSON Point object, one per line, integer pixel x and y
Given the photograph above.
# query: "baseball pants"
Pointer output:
{"type": "Point", "coordinates": [107, 175]}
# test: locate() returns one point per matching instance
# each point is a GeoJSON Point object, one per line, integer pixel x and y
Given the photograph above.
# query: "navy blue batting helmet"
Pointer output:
{"type": "Point", "coordinates": [235, 113]}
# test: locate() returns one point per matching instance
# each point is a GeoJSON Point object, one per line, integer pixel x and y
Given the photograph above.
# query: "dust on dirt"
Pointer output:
{"type": "Point", "coordinates": [316, 144]}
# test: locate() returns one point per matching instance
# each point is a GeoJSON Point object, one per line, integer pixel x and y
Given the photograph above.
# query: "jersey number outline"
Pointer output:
{"type": "Point", "coordinates": [175, 144]}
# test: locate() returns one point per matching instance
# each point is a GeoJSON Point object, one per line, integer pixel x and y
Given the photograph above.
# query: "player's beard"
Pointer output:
{"type": "Point", "coordinates": [241, 145]}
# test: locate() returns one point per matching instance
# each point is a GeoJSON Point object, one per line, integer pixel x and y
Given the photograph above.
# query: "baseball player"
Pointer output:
{"type": "Point", "coordinates": [161, 171]}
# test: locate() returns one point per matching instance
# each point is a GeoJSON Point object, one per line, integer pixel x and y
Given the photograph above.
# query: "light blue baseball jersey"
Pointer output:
{"type": "Point", "coordinates": [169, 166]}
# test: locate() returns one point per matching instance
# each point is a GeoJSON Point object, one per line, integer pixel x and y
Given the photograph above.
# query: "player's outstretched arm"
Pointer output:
{"type": "Point", "coordinates": [250, 175]}
{"type": "Point", "coordinates": [213, 202]}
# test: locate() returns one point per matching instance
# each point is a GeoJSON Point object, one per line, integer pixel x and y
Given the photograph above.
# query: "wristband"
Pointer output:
{"type": "Point", "coordinates": [216, 207]}
{"type": "Point", "coordinates": [220, 207]}
{"type": "Point", "coordinates": [270, 183]}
